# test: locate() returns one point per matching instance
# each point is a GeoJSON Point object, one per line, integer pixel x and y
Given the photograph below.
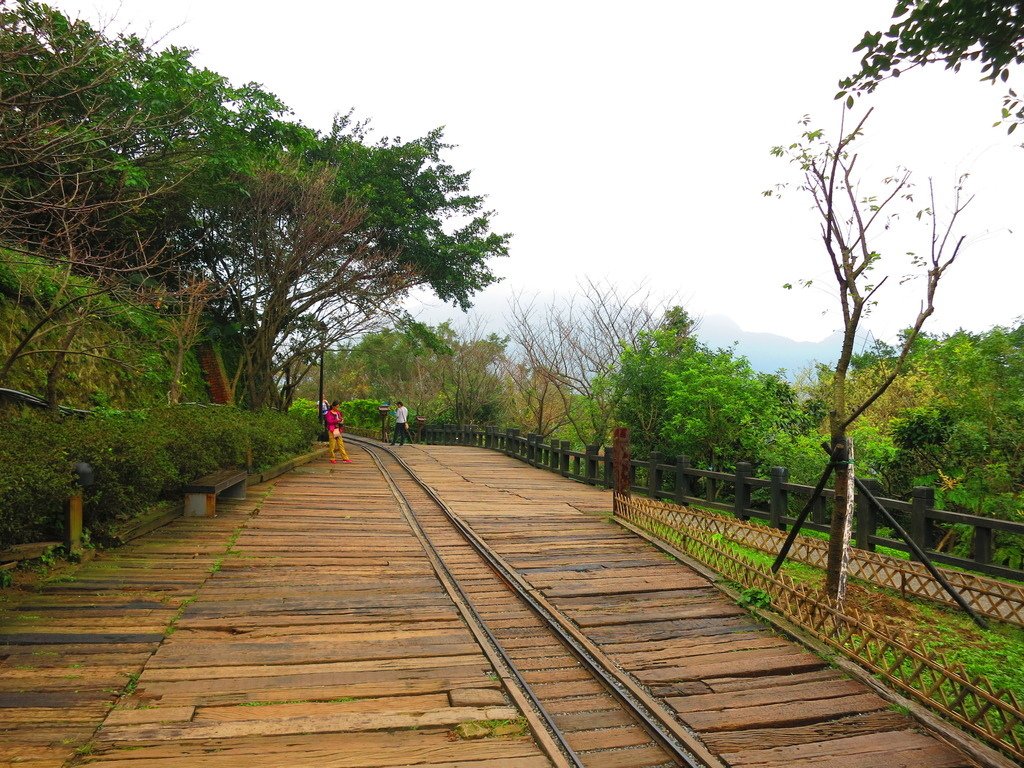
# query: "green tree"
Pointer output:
{"type": "Point", "coordinates": [419, 209]}
{"type": "Point", "coordinates": [681, 397]}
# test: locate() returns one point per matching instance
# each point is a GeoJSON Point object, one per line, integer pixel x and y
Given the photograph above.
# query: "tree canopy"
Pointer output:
{"type": "Point", "coordinates": [135, 169]}
{"type": "Point", "coordinates": [988, 32]}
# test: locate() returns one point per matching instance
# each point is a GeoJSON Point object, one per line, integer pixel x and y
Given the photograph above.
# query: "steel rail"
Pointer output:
{"type": "Point", "coordinates": [568, 752]}
{"type": "Point", "coordinates": [668, 733]}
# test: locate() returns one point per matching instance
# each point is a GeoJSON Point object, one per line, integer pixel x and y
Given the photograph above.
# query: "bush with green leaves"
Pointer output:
{"type": "Point", "coordinates": [361, 413]}
{"type": "Point", "coordinates": [138, 457]}
{"type": "Point", "coordinates": [35, 482]}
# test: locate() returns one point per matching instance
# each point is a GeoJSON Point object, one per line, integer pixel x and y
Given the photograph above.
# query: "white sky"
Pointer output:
{"type": "Point", "coordinates": [631, 141]}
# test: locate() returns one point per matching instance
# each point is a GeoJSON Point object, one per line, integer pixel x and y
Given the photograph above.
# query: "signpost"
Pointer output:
{"type": "Point", "coordinates": [384, 409]}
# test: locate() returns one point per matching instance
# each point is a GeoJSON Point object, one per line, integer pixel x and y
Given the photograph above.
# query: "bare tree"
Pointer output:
{"type": "Point", "coordinates": [182, 316]}
{"type": "Point", "coordinates": [575, 343]}
{"type": "Point", "coordinates": [468, 383]}
{"type": "Point", "coordinates": [536, 401]}
{"type": "Point", "coordinates": [298, 276]}
{"type": "Point", "coordinates": [848, 221]}
{"type": "Point", "coordinates": [76, 147]}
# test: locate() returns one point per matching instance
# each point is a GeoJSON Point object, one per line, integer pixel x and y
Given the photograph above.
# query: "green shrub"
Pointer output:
{"type": "Point", "coordinates": [36, 479]}
{"type": "Point", "coordinates": [361, 413]}
{"type": "Point", "coordinates": [138, 457]}
{"type": "Point", "coordinates": [305, 409]}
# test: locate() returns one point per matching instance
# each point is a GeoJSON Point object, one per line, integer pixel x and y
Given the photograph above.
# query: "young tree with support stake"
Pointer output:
{"type": "Point", "coordinates": [849, 222]}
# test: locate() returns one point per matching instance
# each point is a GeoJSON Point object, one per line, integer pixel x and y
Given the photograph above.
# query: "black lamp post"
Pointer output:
{"type": "Point", "coordinates": [320, 398]}
{"type": "Point", "coordinates": [320, 401]}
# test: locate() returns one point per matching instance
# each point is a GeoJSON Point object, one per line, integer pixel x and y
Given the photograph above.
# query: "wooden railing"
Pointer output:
{"type": "Point", "coordinates": [773, 500]}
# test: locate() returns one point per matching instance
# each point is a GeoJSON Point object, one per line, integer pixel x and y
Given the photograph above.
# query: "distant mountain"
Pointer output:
{"type": "Point", "coordinates": [768, 352]}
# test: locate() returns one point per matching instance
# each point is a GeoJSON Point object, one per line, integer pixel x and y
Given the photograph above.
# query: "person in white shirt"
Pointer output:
{"type": "Point", "coordinates": [401, 425]}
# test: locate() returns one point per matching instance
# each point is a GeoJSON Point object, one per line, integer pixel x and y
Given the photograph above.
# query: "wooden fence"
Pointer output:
{"type": "Point", "coordinates": [901, 659]}
{"type": "Point", "coordinates": [774, 500]}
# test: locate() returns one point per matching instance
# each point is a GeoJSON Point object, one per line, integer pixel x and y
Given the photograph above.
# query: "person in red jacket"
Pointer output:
{"type": "Point", "coordinates": [335, 426]}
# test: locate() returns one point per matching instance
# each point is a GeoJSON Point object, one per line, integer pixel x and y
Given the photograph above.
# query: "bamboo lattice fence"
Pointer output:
{"type": "Point", "coordinates": [901, 660]}
{"type": "Point", "coordinates": [997, 599]}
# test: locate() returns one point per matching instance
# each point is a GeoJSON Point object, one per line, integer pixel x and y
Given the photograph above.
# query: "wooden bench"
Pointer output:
{"type": "Point", "coordinates": [201, 495]}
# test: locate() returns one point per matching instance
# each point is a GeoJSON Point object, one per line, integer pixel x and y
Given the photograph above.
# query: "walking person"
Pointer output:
{"type": "Point", "coordinates": [335, 425]}
{"type": "Point", "coordinates": [401, 435]}
{"type": "Point", "coordinates": [323, 408]}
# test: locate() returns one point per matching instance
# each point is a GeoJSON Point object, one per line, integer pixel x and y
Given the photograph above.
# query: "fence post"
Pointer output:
{"type": "Point", "coordinates": [865, 512]}
{"type": "Point", "coordinates": [512, 443]}
{"type": "Point", "coordinates": [621, 460]}
{"type": "Point", "coordinates": [684, 487]}
{"type": "Point", "coordinates": [818, 510]}
{"type": "Point", "coordinates": [563, 468]}
{"type": "Point", "coordinates": [778, 508]}
{"type": "Point", "coordinates": [592, 464]}
{"type": "Point", "coordinates": [531, 449]}
{"type": "Point", "coordinates": [606, 466]}
{"type": "Point", "coordinates": [982, 545]}
{"type": "Point", "coordinates": [653, 475]}
{"type": "Point", "coordinates": [742, 501]}
{"type": "Point", "coordinates": [923, 498]}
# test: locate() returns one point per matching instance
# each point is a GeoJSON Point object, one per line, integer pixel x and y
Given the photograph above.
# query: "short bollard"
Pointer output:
{"type": "Point", "coordinates": [73, 508]}
{"type": "Point", "coordinates": [73, 523]}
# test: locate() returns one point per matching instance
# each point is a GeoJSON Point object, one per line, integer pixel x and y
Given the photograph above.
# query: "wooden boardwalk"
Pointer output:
{"type": "Point", "coordinates": [305, 627]}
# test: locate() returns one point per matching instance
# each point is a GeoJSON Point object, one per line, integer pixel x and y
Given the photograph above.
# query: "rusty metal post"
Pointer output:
{"type": "Point", "coordinates": [621, 459]}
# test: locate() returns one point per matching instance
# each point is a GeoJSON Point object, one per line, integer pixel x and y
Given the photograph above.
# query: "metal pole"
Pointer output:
{"type": "Point", "coordinates": [925, 560]}
{"type": "Point", "coordinates": [319, 403]}
{"type": "Point", "coordinates": [803, 514]}
{"type": "Point", "coordinates": [321, 380]}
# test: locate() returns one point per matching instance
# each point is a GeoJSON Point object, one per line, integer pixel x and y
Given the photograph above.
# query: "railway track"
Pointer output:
{"type": "Point", "coordinates": [582, 709]}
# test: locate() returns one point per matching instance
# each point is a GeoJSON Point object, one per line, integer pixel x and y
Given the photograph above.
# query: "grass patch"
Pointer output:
{"type": "Point", "coordinates": [172, 625]}
{"type": "Point", "coordinates": [132, 684]}
{"type": "Point", "coordinates": [492, 729]}
{"type": "Point", "coordinates": [338, 700]}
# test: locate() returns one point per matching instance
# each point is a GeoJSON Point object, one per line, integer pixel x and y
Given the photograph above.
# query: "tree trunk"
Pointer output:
{"type": "Point", "coordinates": [842, 523]}
{"type": "Point", "coordinates": [55, 374]}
